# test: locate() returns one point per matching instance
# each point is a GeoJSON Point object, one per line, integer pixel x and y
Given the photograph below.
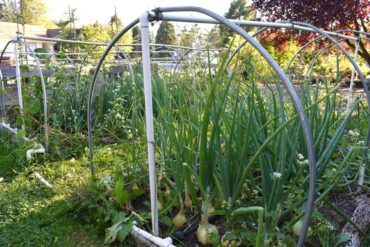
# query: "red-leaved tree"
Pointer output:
{"type": "Point", "coordinates": [326, 14]}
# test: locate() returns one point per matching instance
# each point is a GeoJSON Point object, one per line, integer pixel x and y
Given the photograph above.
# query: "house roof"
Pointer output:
{"type": "Point", "coordinates": [53, 33]}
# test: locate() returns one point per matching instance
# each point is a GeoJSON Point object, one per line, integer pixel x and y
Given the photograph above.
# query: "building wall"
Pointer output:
{"type": "Point", "coordinates": [9, 30]}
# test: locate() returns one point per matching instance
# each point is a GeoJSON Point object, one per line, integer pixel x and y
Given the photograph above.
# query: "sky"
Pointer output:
{"type": "Point", "coordinates": [89, 11]}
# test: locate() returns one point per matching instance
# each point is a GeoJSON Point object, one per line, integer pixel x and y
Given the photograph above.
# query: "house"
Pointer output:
{"type": "Point", "coordinates": [9, 30]}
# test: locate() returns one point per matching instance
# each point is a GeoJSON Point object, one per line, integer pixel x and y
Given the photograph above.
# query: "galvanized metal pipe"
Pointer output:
{"type": "Point", "coordinates": [287, 84]}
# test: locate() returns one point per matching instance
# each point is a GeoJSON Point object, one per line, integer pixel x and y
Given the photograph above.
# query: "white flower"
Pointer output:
{"type": "Point", "coordinates": [276, 175]}
{"type": "Point", "coordinates": [360, 142]}
{"type": "Point", "coordinates": [118, 116]}
{"type": "Point", "coordinates": [300, 157]}
{"type": "Point", "coordinates": [330, 226]}
{"type": "Point", "coordinates": [72, 160]}
{"type": "Point", "coordinates": [1, 179]}
{"type": "Point", "coordinates": [302, 162]}
{"type": "Point", "coordinates": [353, 133]}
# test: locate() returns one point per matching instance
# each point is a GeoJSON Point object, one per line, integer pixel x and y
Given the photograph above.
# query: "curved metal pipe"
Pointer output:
{"type": "Point", "coordinates": [43, 86]}
{"type": "Point", "coordinates": [320, 37]}
{"type": "Point", "coordinates": [292, 93]}
{"type": "Point", "coordinates": [5, 47]}
{"type": "Point", "coordinates": [3, 110]}
{"type": "Point", "coordinates": [128, 63]}
{"type": "Point", "coordinates": [301, 49]}
{"type": "Point", "coordinates": [314, 59]}
{"type": "Point", "coordinates": [354, 64]}
{"type": "Point", "coordinates": [92, 87]}
{"type": "Point", "coordinates": [237, 50]}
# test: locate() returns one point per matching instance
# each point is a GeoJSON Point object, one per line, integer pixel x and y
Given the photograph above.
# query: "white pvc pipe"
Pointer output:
{"type": "Point", "coordinates": [30, 152]}
{"type": "Point", "coordinates": [160, 242]}
{"type": "Point", "coordinates": [144, 26]}
{"type": "Point", "coordinates": [43, 180]}
{"type": "Point", "coordinates": [350, 93]}
{"type": "Point", "coordinates": [7, 127]}
{"type": "Point", "coordinates": [19, 84]}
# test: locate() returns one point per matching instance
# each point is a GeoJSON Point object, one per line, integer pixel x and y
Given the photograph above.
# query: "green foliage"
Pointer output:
{"type": "Point", "coordinates": [188, 37]}
{"type": "Point", "coordinates": [33, 215]}
{"type": "Point", "coordinates": [238, 10]}
{"type": "Point", "coordinates": [29, 12]}
{"type": "Point", "coordinates": [12, 155]}
{"type": "Point", "coordinates": [166, 34]}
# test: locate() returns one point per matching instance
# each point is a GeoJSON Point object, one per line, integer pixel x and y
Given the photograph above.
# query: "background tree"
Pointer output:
{"type": "Point", "coordinates": [8, 11]}
{"type": "Point", "coordinates": [136, 39]}
{"type": "Point", "coordinates": [238, 10]}
{"type": "Point", "coordinates": [116, 24]}
{"type": "Point", "coordinates": [187, 37]}
{"type": "Point", "coordinates": [34, 12]}
{"type": "Point", "coordinates": [26, 12]}
{"type": "Point", "coordinates": [329, 14]}
{"type": "Point", "coordinates": [166, 34]}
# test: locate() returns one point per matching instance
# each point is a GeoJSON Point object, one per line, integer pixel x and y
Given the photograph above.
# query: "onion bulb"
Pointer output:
{"type": "Point", "coordinates": [298, 226]}
{"type": "Point", "coordinates": [223, 148]}
{"type": "Point", "coordinates": [229, 243]}
{"type": "Point", "coordinates": [188, 202]}
{"type": "Point", "coordinates": [159, 206]}
{"type": "Point", "coordinates": [210, 209]}
{"type": "Point", "coordinates": [180, 219]}
{"type": "Point", "coordinates": [205, 231]}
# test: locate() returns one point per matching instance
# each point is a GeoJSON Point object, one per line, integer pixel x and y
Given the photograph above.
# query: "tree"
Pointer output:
{"type": "Point", "coordinates": [136, 39]}
{"type": "Point", "coordinates": [166, 34]}
{"type": "Point", "coordinates": [238, 10]}
{"type": "Point", "coordinates": [27, 12]}
{"type": "Point", "coordinates": [329, 14]}
{"type": "Point", "coordinates": [8, 11]}
{"type": "Point", "coordinates": [187, 37]}
{"type": "Point", "coordinates": [115, 23]}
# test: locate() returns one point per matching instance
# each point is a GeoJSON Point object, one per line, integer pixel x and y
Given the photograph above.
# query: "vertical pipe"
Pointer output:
{"type": "Point", "coordinates": [350, 92]}
{"type": "Point", "coordinates": [2, 101]}
{"type": "Point", "coordinates": [144, 26]}
{"type": "Point", "coordinates": [18, 78]}
{"type": "Point", "coordinates": [44, 95]}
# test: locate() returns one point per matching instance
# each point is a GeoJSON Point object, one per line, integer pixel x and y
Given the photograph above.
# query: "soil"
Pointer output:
{"type": "Point", "coordinates": [348, 203]}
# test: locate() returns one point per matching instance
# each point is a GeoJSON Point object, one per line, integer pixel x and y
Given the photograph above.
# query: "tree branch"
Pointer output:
{"type": "Point", "coordinates": [363, 25]}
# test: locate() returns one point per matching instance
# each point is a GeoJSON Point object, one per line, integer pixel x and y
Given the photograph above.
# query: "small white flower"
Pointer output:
{"type": "Point", "coordinates": [353, 133]}
{"type": "Point", "coordinates": [118, 116]}
{"type": "Point", "coordinates": [72, 160]}
{"type": "Point", "coordinates": [276, 175]}
{"type": "Point", "coordinates": [300, 157]}
{"type": "Point", "coordinates": [302, 162]}
{"type": "Point", "coordinates": [330, 226]}
{"type": "Point", "coordinates": [360, 142]}
{"type": "Point", "coordinates": [1, 179]}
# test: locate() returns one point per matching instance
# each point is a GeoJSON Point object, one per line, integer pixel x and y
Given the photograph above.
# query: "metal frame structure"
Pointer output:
{"type": "Point", "coordinates": [161, 14]}
{"type": "Point", "coordinates": [164, 14]}
{"type": "Point", "coordinates": [19, 86]}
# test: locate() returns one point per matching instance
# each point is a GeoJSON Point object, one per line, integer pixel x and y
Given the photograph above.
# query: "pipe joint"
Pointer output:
{"type": "Point", "coordinates": [155, 15]}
